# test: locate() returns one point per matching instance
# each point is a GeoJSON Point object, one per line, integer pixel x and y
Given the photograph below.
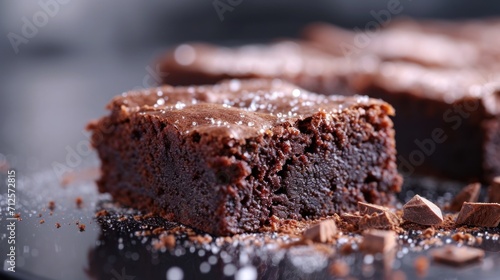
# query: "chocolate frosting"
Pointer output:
{"type": "Point", "coordinates": [237, 108]}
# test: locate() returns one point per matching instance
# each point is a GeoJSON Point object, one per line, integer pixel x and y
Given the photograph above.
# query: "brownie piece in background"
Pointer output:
{"type": "Point", "coordinates": [225, 158]}
{"type": "Point", "coordinates": [443, 85]}
{"type": "Point", "coordinates": [297, 62]}
{"type": "Point", "coordinates": [442, 79]}
{"type": "Point", "coordinates": [448, 120]}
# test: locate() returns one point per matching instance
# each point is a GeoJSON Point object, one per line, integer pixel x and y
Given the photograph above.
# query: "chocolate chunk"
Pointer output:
{"type": "Point", "coordinates": [494, 191]}
{"type": "Point", "coordinates": [81, 227]}
{"type": "Point", "coordinates": [421, 211]}
{"type": "Point", "coordinates": [457, 255]}
{"type": "Point", "coordinates": [479, 214]}
{"type": "Point", "coordinates": [323, 231]}
{"type": "Point", "coordinates": [369, 208]}
{"type": "Point", "coordinates": [384, 220]}
{"type": "Point", "coordinates": [468, 194]}
{"type": "Point", "coordinates": [351, 218]}
{"type": "Point", "coordinates": [378, 241]}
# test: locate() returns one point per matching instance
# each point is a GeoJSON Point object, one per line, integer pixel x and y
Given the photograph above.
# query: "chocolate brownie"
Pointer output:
{"type": "Point", "coordinates": [395, 44]}
{"type": "Point", "coordinates": [448, 120]}
{"type": "Point", "coordinates": [297, 62]}
{"type": "Point", "coordinates": [225, 158]}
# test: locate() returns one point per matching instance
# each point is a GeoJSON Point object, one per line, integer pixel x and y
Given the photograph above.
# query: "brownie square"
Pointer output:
{"type": "Point", "coordinates": [448, 120]}
{"type": "Point", "coordinates": [225, 158]}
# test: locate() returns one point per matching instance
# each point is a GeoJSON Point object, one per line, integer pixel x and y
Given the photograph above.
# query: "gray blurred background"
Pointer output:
{"type": "Point", "coordinates": [85, 52]}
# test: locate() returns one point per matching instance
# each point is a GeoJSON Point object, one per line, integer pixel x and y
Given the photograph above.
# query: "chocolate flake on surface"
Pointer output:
{"type": "Point", "coordinates": [468, 194]}
{"type": "Point", "coordinates": [81, 227]}
{"type": "Point", "coordinates": [457, 256]}
{"type": "Point", "coordinates": [323, 231]}
{"type": "Point", "coordinates": [378, 241]}
{"type": "Point", "coordinates": [58, 225]}
{"type": "Point", "coordinates": [165, 241]}
{"type": "Point", "coordinates": [479, 214]}
{"type": "Point", "coordinates": [101, 213]}
{"type": "Point", "coordinates": [421, 211]}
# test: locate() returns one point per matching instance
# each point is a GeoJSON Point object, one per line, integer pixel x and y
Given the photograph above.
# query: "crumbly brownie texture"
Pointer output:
{"type": "Point", "coordinates": [225, 158]}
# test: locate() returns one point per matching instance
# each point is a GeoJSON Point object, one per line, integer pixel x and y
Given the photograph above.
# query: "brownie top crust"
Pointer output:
{"type": "Point", "coordinates": [236, 108]}
{"type": "Point", "coordinates": [448, 85]}
{"type": "Point", "coordinates": [280, 59]}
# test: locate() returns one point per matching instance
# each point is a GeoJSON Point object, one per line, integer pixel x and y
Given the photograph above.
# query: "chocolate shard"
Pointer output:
{"type": "Point", "coordinates": [479, 214]}
{"type": "Point", "coordinates": [369, 208]}
{"type": "Point", "coordinates": [351, 218]}
{"type": "Point", "coordinates": [421, 211]}
{"type": "Point", "coordinates": [468, 194]}
{"type": "Point", "coordinates": [323, 232]}
{"type": "Point", "coordinates": [457, 256]}
{"type": "Point", "coordinates": [384, 220]}
{"type": "Point", "coordinates": [378, 241]}
{"type": "Point", "coordinates": [494, 191]}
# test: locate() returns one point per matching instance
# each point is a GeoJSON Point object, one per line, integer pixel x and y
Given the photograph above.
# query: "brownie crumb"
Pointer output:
{"type": "Point", "coordinates": [463, 237]}
{"type": "Point", "coordinates": [457, 256]}
{"type": "Point", "coordinates": [378, 241]}
{"type": "Point", "coordinates": [39, 215]}
{"type": "Point", "coordinates": [122, 219]}
{"type": "Point", "coordinates": [52, 205]}
{"type": "Point", "coordinates": [339, 269]}
{"type": "Point", "coordinates": [322, 232]}
{"type": "Point", "coordinates": [101, 213]}
{"type": "Point", "coordinates": [428, 232]}
{"type": "Point", "coordinates": [165, 241]}
{"type": "Point", "coordinates": [201, 239]}
{"type": "Point", "coordinates": [51, 213]}
{"type": "Point", "coordinates": [479, 214]}
{"type": "Point", "coordinates": [494, 191]}
{"type": "Point", "coordinates": [81, 227]}
{"type": "Point", "coordinates": [421, 265]}
{"type": "Point", "coordinates": [79, 202]}
{"type": "Point", "coordinates": [421, 211]}
{"type": "Point", "coordinates": [58, 225]}
{"type": "Point", "coordinates": [468, 194]}
{"type": "Point", "coordinates": [42, 221]}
